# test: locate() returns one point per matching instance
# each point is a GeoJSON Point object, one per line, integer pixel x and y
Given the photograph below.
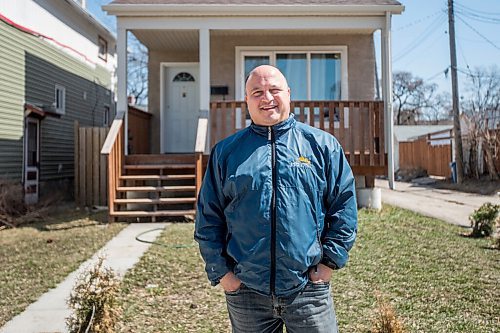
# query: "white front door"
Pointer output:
{"type": "Point", "coordinates": [180, 108]}
{"type": "Point", "coordinates": [31, 160]}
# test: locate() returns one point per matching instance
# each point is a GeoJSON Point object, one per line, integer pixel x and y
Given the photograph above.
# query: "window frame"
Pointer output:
{"type": "Point", "coordinates": [104, 42]}
{"type": "Point", "coordinates": [271, 51]}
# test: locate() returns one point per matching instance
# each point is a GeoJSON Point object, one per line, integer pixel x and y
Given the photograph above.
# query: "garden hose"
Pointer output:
{"type": "Point", "coordinates": [180, 246]}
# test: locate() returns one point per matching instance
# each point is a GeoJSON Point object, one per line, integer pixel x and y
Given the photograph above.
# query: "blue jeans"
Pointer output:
{"type": "Point", "coordinates": [309, 311]}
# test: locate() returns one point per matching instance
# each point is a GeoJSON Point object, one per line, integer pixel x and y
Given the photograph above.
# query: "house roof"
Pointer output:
{"type": "Point", "coordinates": [245, 7]}
{"type": "Point", "coordinates": [260, 2]}
{"type": "Point", "coordinates": [404, 133]}
{"type": "Point", "coordinates": [91, 19]}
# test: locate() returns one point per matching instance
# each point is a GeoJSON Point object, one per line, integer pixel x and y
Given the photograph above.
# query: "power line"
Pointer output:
{"type": "Point", "coordinates": [477, 32]}
{"type": "Point", "coordinates": [444, 71]}
{"type": "Point", "coordinates": [430, 30]}
{"type": "Point", "coordinates": [411, 24]}
{"type": "Point", "coordinates": [479, 18]}
{"type": "Point", "coordinates": [472, 10]}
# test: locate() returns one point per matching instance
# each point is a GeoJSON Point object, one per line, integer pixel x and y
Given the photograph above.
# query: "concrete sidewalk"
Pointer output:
{"type": "Point", "coordinates": [447, 205]}
{"type": "Point", "coordinates": [49, 313]}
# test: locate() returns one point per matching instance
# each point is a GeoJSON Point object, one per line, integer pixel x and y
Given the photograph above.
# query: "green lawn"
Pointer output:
{"type": "Point", "coordinates": [36, 257]}
{"type": "Point", "coordinates": [437, 280]}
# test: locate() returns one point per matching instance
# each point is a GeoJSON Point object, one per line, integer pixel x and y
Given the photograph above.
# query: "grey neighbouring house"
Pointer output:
{"type": "Point", "coordinates": [56, 66]}
{"type": "Point", "coordinates": [199, 53]}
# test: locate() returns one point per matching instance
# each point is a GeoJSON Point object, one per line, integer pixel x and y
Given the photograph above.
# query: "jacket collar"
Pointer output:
{"type": "Point", "coordinates": [278, 129]}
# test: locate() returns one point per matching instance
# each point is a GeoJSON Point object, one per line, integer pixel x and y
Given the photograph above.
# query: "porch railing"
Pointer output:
{"type": "Point", "coordinates": [199, 149]}
{"type": "Point", "coordinates": [113, 148]}
{"type": "Point", "coordinates": [358, 125]}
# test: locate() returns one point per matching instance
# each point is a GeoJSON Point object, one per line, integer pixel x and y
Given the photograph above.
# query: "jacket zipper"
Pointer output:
{"type": "Point", "coordinates": [273, 211]}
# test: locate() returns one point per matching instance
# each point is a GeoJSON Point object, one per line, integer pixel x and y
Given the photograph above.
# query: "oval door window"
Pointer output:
{"type": "Point", "coordinates": [183, 77]}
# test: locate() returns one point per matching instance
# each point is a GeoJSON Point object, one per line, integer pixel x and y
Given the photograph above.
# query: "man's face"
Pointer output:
{"type": "Point", "coordinates": [267, 96]}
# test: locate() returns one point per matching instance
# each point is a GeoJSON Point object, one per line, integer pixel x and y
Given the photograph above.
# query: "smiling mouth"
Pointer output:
{"type": "Point", "coordinates": [268, 107]}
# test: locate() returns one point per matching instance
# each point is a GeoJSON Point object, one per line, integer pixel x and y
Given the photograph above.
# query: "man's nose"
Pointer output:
{"type": "Point", "coordinates": [268, 96]}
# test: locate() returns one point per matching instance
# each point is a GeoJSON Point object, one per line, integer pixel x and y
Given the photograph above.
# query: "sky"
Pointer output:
{"type": "Point", "coordinates": [420, 42]}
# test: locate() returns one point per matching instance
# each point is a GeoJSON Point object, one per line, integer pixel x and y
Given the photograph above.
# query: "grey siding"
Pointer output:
{"type": "Point", "coordinates": [30, 68]}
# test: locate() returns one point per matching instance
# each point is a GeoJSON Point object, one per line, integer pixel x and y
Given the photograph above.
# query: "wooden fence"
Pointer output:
{"type": "Point", "coordinates": [421, 154]}
{"type": "Point", "coordinates": [90, 166]}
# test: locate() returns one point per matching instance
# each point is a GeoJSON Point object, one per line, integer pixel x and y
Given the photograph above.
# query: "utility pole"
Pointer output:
{"type": "Point", "coordinates": [457, 138]}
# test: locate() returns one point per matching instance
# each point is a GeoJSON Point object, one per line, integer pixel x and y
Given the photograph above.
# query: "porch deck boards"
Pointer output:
{"type": "Point", "coordinates": [155, 188]}
{"type": "Point", "coordinates": [158, 166]}
{"type": "Point", "coordinates": [155, 201]}
{"type": "Point", "coordinates": [157, 177]}
{"type": "Point", "coordinates": [160, 213]}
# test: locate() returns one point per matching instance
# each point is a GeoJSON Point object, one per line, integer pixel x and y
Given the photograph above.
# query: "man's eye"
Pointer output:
{"type": "Point", "coordinates": [275, 91]}
{"type": "Point", "coordinates": [257, 93]}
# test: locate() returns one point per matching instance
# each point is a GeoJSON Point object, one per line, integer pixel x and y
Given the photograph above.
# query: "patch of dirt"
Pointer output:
{"type": "Point", "coordinates": [482, 186]}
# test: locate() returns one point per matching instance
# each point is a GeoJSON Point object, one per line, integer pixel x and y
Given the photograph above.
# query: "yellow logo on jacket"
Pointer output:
{"type": "Point", "coordinates": [301, 162]}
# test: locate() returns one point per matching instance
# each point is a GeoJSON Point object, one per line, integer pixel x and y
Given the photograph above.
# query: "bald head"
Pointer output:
{"type": "Point", "coordinates": [267, 95]}
{"type": "Point", "coordinates": [265, 71]}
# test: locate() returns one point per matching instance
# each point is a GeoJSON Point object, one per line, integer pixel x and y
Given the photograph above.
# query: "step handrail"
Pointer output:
{"type": "Point", "coordinates": [199, 149]}
{"type": "Point", "coordinates": [113, 148]}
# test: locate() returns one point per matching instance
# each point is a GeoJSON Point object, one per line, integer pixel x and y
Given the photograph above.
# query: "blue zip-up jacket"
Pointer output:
{"type": "Point", "coordinates": [275, 202]}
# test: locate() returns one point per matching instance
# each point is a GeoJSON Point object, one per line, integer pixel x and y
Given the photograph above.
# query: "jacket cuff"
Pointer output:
{"type": "Point", "coordinates": [329, 263]}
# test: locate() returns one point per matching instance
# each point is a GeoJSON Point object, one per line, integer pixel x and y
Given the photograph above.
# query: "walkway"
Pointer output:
{"type": "Point", "coordinates": [447, 205]}
{"type": "Point", "coordinates": [48, 314]}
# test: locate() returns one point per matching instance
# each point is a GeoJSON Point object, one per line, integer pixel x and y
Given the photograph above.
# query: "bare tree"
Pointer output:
{"type": "Point", "coordinates": [482, 107]}
{"type": "Point", "coordinates": [411, 96]}
{"type": "Point", "coordinates": [137, 81]}
{"type": "Point", "coordinates": [439, 108]}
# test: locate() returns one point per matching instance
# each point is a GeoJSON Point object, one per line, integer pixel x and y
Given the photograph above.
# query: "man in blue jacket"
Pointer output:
{"type": "Point", "coordinates": [276, 216]}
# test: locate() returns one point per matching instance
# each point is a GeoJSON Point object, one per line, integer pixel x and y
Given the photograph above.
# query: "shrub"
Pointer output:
{"type": "Point", "coordinates": [13, 209]}
{"type": "Point", "coordinates": [93, 301]}
{"type": "Point", "coordinates": [483, 220]}
{"type": "Point", "coordinates": [386, 320]}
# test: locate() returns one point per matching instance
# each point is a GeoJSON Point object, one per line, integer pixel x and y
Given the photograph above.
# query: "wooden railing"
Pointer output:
{"type": "Point", "coordinates": [199, 149]}
{"type": "Point", "coordinates": [358, 125]}
{"type": "Point", "coordinates": [113, 148]}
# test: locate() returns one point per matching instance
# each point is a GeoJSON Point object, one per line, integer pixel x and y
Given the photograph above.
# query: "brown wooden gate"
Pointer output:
{"type": "Point", "coordinates": [90, 166]}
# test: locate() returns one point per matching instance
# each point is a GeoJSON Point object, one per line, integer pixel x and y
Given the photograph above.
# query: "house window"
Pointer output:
{"type": "Point", "coordinates": [60, 99]}
{"type": "Point", "coordinates": [313, 73]}
{"type": "Point", "coordinates": [183, 77]}
{"type": "Point", "coordinates": [103, 48]}
{"type": "Point", "coordinates": [105, 117]}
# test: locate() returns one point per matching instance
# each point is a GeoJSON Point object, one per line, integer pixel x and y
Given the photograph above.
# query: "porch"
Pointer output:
{"type": "Point", "coordinates": [159, 186]}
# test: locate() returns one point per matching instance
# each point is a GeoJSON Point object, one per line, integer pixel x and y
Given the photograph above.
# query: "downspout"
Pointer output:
{"type": "Point", "coordinates": [389, 114]}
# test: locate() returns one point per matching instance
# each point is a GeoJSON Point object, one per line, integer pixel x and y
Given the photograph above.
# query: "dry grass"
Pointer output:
{"type": "Point", "coordinates": [37, 256]}
{"type": "Point", "coordinates": [435, 280]}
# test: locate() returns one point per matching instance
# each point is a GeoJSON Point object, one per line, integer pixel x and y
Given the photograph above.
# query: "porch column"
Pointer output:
{"type": "Point", "coordinates": [387, 95]}
{"type": "Point", "coordinates": [121, 75]}
{"type": "Point", "coordinates": [204, 35]}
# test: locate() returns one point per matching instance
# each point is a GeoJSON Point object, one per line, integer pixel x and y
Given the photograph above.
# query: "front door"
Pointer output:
{"type": "Point", "coordinates": [180, 108]}
{"type": "Point", "coordinates": [31, 160]}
